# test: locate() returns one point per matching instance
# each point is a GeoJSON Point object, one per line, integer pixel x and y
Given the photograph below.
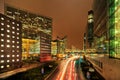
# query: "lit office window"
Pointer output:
{"type": "Point", "coordinates": [2, 55]}
{"type": "Point", "coordinates": [13, 22]}
{"type": "Point", "coordinates": [8, 26]}
{"type": "Point", "coordinates": [13, 41]}
{"type": "Point", "coordinates": [13, 32]}
{"type": "Point", "coordinates": [17, 37]}
{"type": "Point", "coordinates": [13, 50]}
{"type": "Point", "coordinates": [18, 29]}
{"type": "Point", "coordinates": [8, 31]}
{"type": "Point", "coordinates": [8, 55]}
{"type": "Point", "coordinates": [2, 29]}
{"type": "Point", "coordinates": [8, 36]}
{"type": "Point", "coordinates": [13, 60]}
{"type": "Point", "coordinates": [2, 61]}
{"type": "Point", "coordinates": [2, 40]}
{"type": "Point", "coordinates": [17, 24]}
{"type": "Point", "coordinates": [13, 55]}
{"type": "Point", "coordinates": [2, 50]}
{"type": "Point", "coordinates": [17, 59]}
{"type": "Point", "coordinates": [17, 46]}
{"type": "Point", "coordinates": [17, 33]}
{"type": "Point", "coordinates": [8, 61]}
{"type": "Point", "coordinates": [1, 66]}
{"type": "Point", "coordinates": [8, 41]}
{"type": "Point", "coordinates": [8, 66]}
{"type": "Point", "coordinates": [17, 55]}
{"type": "Point", "coordinates": [8, 46]}
{"type": "Point", "coordinates": [2, 34]}
{"type": "Point", "coordinates": [2, 24]}
{"type": "Point", "coordinates": [13, 27]}
{"type": "Point", "coordinates": [13, 46]}
{"type": "Point", "coordinates": [13, 36]}
{"type": "Point", "coordinates": [2, 45]}
{"type": "Point", "coordinates": [2, 18]}
{"type": "Point", "coordinates": [17, 41]}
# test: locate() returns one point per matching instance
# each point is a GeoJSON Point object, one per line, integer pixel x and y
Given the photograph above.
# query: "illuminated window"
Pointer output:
{"type": "Point", "coordinates": [17, 24]}
{"type": "Point", "coordinates": [13, 41]}
{"type": "Point", "coordinates": [17, 55]}
{"type": "Point", "coordinates": [13, 22]}
{"type": "Point", "coordinates": [8, 41]}
{"type": "Point", "coordinates": [2, 50]}
{"type": "Point", "coordinates": [18, 29]}
{"type": "Point", "coordinates": [2, 34]}
{"type": "Point", "coordinates": [2, 18]}
{"type": "Point", "coordinates": [17, 42]}
{"type": "Point", "coordinates": [8, 31]}
{"type": "Point", "coordinates": [17, 37]}
{"type": "Point", "coordinates": [8, 65]}
{"type": "Point", "coordinates": [2, 39]}
{"type": "Point", "coordinates": [2, 61]}
{"type": "Point", "coordinates": [13, 60]}
{"type": "Point", "coordinates": [13, 36]}
{"type": "Point", "coordinates": [13, 32]}
{"type": "Point", "coordinates": [2, 45]}
{"type": "Point", "coordinates": [8, 26]}
{"type": "Point", "coordinates": [17, 33]}
{"type": "Point", "coordinates": [2, 23]}
{"type": "Point", "coordinates": [2, 29]}
{"type": "Point", "coordinates": [17, 59]}
{"type": "Point", "coordinates": [13, 46]}
{"type": "Point", "coordinates": [2, 55]}
{"type": "Point", "coordinates": [8, 45]}
{"type": "Point", "coordinates": [8, 55]}
{"type": "Point", "coordinates": [17, 46]}
{"type": "Point", "coordinates": [13, 55]}
{"type": "Point", "coordinates": [8, 61]}
{"type": "Point", "coordinates": [1, 66]}
{"type": "Point", "coordinates": [13, 27]}
{"type": "Point", "coordinates": [8, 36]}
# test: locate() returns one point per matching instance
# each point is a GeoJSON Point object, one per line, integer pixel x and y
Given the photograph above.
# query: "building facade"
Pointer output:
{"type": "Point", "coordinates": [100, 26]}
{"type": "Point", "coordinates": [90, 26]}
{"type": "Point", "coordinates": [10, 43]}
{"type": "Point", "coordinates": [36, 28]}
{"type": "Point", "coordinates": [114, 28]}
{"type": "Point", "coordinates": [54, 47]}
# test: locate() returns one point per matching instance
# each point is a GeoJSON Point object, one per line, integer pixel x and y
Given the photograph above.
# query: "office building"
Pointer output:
{"type": "Point", "coordinates": [90, 26]}
{"type": "Point", "coordinates": [54, 47]}
{"type": "Point", "coordinates": [35, 28]}
{"type": "Point", "coordinates": [100, 26]}
{"type": "Point", "coordinates": [106, 38]}
{"type": "Point", "coordinates": [10, 43]}
{"type": "Point", "coordinates": [114, 28]}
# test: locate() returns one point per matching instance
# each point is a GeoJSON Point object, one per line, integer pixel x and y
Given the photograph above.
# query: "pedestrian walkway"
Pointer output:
{"type": "Point", "coordinates": [110, 69]}
{"type": "Point", "coordinates": [15, 71]}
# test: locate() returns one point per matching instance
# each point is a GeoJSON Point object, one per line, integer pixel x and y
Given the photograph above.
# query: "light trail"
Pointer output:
{"type": "Point", "coordinates": [68, 72]}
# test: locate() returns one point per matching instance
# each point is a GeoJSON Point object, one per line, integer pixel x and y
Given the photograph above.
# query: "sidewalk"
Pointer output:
{"type": "Point", "coordinates": [15, 71]}
{"type": "Point", "coordinates": [110, 67]}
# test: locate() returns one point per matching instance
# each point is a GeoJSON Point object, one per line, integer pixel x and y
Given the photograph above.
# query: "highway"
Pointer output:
{"type": "Point", "coordinates": [65, 71]}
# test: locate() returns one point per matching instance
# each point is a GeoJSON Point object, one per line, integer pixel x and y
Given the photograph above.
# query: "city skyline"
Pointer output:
{"type": "Point", "coordinates": [69, 17]}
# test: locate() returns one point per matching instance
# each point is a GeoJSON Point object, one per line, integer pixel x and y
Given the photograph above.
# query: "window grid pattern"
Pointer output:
{"type": "Point", "coordinates": [10, 43]}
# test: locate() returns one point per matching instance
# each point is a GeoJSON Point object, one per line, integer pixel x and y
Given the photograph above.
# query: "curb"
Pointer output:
{"type": "Point", "coordinates": [51, 73]}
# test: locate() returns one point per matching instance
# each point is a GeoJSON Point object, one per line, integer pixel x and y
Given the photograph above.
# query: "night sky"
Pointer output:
{"type": "Point", "coordinates": [69, 16]}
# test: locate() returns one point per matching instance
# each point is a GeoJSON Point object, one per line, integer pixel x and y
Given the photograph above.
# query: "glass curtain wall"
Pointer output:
{"type": "Point", "coordinates": [114, 28]}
